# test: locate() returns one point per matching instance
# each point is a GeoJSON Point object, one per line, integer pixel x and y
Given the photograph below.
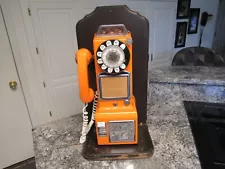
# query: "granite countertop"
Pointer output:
{"type": "Point", "coordinates": [189, 75]}
{"type": "Point", "coordinates": [57, 145]}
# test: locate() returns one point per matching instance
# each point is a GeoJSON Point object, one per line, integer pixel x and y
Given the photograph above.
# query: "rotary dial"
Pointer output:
{"type": "Point", "coordinates": [113, 56]}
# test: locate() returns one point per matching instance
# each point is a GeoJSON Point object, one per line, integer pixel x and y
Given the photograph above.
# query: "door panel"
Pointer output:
{"type": "Point", "coordinates": [162, 33]}
{"type": "Point", "coordinates": [16, 142]}
{"type": "Point", "coordinates": [161, 46]}
{"type": "Point", "coordinates": [54, 27]}
{"type": "Point", "coordinates": [58, 38]}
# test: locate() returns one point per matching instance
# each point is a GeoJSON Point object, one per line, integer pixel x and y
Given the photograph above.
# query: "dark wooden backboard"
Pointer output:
{"type": "Point", "coordinates": [139, 28]}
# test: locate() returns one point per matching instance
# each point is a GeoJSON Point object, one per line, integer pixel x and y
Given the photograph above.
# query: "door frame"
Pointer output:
{"type": "Point", "coordinates": [18, 37]}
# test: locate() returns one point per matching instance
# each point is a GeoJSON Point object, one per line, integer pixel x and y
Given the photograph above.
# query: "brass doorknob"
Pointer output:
{"type": "Point", "coordinates": [13, 85]}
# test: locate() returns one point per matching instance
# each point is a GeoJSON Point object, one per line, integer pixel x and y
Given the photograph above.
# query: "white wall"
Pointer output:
{"type": "Point", "coordinates": [211, 7]}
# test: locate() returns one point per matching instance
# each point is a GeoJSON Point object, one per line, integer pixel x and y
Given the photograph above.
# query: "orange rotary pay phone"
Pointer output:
{"type": "Point", "coordinates": [114, 107]}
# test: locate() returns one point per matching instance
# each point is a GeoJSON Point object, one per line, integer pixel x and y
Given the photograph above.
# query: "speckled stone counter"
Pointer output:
{"type": "Point", "coordinates": [57, 145]}
{"type": "Point", "coordinates": [189, 75]}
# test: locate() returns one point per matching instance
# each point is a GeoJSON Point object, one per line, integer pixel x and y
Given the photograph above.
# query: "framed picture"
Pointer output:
{"type": "Point", "coordinates": [181, 31]}
{"type": "Point", "coordinates": [193, 20]}
{"type": "Point", "coordinates": [183, 8]}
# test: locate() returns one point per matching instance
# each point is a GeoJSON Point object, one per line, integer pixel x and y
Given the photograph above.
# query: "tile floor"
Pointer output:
{"type": "Point", "coordinates": [28, 164]}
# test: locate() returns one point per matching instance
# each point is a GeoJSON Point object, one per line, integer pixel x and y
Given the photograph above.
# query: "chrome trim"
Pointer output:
{"type": "Point", "coordinates": [123, 74]}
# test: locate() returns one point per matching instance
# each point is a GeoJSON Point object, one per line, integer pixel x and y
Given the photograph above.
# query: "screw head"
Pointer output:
{"type": "Point", "coordinates": [114, 104]}
{"type": "Point", "coordinates": [126, 102]}
{"type": "Point", "coordinates": [129, 41]}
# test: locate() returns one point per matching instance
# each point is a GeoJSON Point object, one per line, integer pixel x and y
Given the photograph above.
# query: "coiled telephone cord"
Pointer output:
{"type": "Point", "coordinates": [87, 126]}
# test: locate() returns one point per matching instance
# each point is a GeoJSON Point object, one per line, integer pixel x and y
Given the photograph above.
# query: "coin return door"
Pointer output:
{"type": "Point", "coordinates": [121, 131]}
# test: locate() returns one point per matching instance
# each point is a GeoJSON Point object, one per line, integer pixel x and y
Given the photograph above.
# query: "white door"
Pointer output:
{"type": "Point", "coordinates": [16, 142]}
{"type": "Point", "coordinates": [54, 25]}
{"type": "Point", "coordinates": [162, 33]}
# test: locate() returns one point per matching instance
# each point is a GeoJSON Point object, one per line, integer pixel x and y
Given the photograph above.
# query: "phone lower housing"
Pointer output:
{"type": "Point", "coordinates": [117, 124]}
